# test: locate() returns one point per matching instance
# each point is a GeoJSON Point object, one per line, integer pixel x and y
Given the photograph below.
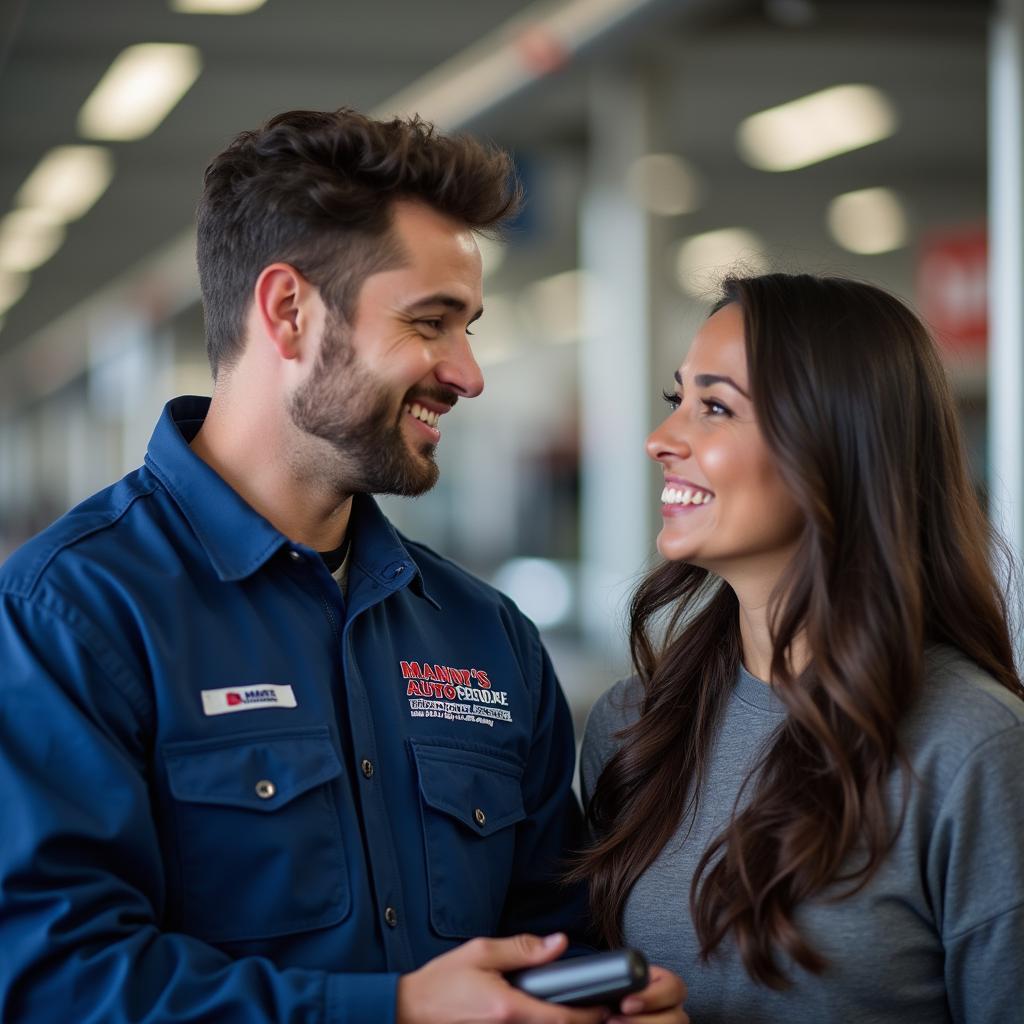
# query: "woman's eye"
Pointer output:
{"type": "Point", "coordinates": [715, 408]}
{"type": "Point", "coordinates": [673, 399]}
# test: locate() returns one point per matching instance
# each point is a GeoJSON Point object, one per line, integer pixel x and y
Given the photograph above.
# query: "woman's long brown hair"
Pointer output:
{"type": "Point", "coordinates": [895, 555]}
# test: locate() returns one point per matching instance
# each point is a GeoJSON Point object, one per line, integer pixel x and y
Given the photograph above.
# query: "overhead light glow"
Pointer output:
{"type": "Point", "coordinates": [139, 90]}
{"type": "Point", "coordinates": [492, 254]}
{"type": "Point", "coordinates": [816, 127]}
{"type": "Point", "coordinates": [663, 184]}
{"type": "Point", "coordinates": [12, 287]}
{"type": "Point", "coordinates": [553, 304]}
{"type": "Point", "coordinates": [868, 221]}
{"type": "Point", "coordinates": [216, 6]}
{"type": "Point", "coordinates": [28, 238]}
{"type": "Point", "coordinates": [67, 181]}
{"type": "Point", "coordinates": [541, 587]}
{"type": "Point", "coordinates": [702, 260]}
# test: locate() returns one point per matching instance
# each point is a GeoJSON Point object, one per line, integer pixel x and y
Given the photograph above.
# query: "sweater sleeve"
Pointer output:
{"type": "Point", "coordinates": [81, 873]}
{"type": "Point", "coordinates": [614, 710]}
{"type": "Point", "coordinates": [976, 877]}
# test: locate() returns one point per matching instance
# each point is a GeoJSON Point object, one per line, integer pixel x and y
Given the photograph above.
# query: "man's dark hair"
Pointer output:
{"type": "Point", "coordinates": [316, 190]}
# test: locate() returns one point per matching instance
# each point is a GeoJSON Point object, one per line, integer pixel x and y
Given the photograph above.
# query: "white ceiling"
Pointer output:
{"type": "Point", "coordinates": [728, 62]}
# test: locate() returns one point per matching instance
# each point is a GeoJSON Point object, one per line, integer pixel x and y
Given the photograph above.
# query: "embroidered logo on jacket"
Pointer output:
{"type": "Point", "coordinates": [246, 698]}
{"type": "Point", "coordinates": [454, 694]}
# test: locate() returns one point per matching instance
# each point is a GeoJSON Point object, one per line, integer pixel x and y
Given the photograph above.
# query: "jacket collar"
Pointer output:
{"type": "Point", "coordinates": [236, 538]}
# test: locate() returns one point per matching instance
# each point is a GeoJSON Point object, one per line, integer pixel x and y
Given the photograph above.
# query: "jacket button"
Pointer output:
{"type": "Point", "coordinates": [481, 818]}
{"type": "Point", "coordinates": [295, 556]}
{"type": "Point", "coordinates": [265, 789]}
{"type": "Point", "coordinates": [391, 916]}
{"type": "Point", "coordinates": [367, 766]}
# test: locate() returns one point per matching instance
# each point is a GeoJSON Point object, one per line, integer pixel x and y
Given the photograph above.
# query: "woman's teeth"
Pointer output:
{"type": "Point", "coordinates": [688, 496]}
{"type": "Point", "coordinates": [428, 417]}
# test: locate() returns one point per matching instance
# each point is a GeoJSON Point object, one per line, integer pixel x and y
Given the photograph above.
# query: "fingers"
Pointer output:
{"type": "Point", "coordinates": [513, 953]}
{"type": "Point", "coordinates": [664, 992]}
{"type": "Point", "coordinates": [522, 1009]}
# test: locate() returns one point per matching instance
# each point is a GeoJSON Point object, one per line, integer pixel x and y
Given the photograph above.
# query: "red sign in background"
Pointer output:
{"type": "Point", "coordinates": [952, 288]}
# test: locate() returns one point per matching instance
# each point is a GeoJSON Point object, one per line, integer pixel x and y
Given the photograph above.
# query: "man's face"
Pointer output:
{"type": "Point", "coordinates": [378, 386]}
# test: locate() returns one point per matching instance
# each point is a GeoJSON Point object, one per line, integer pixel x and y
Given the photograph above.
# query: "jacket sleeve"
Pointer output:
{"type": "Point", "coordinates": [976, 876]}
{"type": "Point", "coordinates": [538, 901]}
{"type": "Point", "coordinates": [81, 874]}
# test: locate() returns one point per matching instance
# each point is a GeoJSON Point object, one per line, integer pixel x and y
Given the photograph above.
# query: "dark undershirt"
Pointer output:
{"type": "Point", "coordinates": [333, 559]}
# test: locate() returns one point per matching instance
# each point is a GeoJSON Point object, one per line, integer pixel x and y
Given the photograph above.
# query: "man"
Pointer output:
{"type": "Point", "coordinates": [262, 758]}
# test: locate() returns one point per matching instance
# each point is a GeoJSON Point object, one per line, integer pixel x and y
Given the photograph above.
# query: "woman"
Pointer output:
{"type": "Point", "coordinates": [809, 800]}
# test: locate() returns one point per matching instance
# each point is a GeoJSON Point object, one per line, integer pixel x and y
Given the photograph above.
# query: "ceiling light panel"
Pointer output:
{"type": "Point", "coordinates": [702, 261]}
{"type": "Point", "coordinates": [28, 238]}
{"type": "Point", "coordinates": [868, 221]}
{"type": "Point", "coordinates": [139, 90]}
{"type": "Point", "coordinates": [12, 287]}
{"type": "Point", "coordinates": [816, 127]}
{"type": "Point", "coordinates": [216, 6]}
{"type": "Point", "coordinates": [664, 184]}
{"type": "Point", "coordinates": [67, 181]}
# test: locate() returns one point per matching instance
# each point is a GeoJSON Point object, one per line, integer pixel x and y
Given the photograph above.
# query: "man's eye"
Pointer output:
{"type": "Point", "coordinates": [434, 325]}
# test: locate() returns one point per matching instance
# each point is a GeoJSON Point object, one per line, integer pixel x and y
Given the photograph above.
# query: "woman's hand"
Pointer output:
{"type": "Point", "coordinates": [661, 1002]}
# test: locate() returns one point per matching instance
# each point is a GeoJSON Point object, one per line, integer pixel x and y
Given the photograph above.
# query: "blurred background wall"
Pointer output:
{"type": "Point", "coordinates": [661, 143]}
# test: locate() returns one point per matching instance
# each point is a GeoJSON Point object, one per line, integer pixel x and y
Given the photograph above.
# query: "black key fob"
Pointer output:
{"type": "Point", "coordinates": [600, 979]}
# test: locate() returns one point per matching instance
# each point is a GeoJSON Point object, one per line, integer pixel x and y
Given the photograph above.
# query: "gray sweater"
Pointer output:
{"type": "Point", "coordinates": [938, 933]}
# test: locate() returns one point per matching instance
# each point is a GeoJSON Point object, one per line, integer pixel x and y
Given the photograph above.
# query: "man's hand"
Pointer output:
{"type": "Point", "coordinates": [660, 1003]}
{"type": "Point", "coordinates": [465, 986]}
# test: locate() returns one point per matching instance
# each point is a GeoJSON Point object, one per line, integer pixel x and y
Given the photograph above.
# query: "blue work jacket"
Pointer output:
{"type": "Point", "coordinates": [231, 794]}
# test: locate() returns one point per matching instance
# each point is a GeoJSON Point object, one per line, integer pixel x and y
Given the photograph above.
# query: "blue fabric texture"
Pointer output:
{"type": "Point", "coordinates": [231, 794]}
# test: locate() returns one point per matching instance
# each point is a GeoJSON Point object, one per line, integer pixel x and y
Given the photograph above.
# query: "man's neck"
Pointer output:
{"type": "Point", "coordinates": [251, 454]}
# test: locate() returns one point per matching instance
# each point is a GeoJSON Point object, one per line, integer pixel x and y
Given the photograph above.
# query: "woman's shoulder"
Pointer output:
{"type": "Point", "coordinates": [961, 712]}
{"type": "Point", "coordinates": [616, 709]}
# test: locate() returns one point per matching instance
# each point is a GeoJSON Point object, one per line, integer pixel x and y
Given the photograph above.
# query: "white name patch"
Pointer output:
{"type": "Point", "coordinates": [247, 698]}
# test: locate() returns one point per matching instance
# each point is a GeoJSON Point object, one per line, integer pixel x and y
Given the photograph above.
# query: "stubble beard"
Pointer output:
{"type": "Point", "coordinates": [343, 404]}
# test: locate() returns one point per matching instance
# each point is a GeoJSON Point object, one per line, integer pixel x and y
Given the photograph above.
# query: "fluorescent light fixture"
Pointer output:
{"type": "Point", "coordinates": [28, 238]}
{"type": "Point", "coordinates": [869, 221]}
{"type": "Point", "coordinates": [663, 184]}
{"type": "Point", "coordinates": [703, 260]}
{"type": "Point", "coordinates": [139, 90]}
{"type": "Point", "coordinates": [67, 181]}
{"type": "Point", "coordinates": [554, 305]}
{"type": "Point", "coordinates": [216, 6]}
{"type": "Point", "coordinates": [12, 287]}
{"type": "Point", "coordinates": [816, 127]}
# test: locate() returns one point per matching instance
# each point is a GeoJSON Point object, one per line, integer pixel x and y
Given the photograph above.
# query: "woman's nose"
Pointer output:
{"type": "Point", "coordinates": [667, 441]}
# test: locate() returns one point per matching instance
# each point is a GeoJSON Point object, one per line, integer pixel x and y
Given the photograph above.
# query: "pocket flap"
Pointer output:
{"type": "Point", "coordinates": [480, 791]}
{"type": "Point", "coordinates": [260, 772]}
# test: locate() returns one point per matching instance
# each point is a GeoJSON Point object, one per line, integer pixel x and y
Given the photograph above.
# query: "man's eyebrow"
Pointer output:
{"type": "Point", "coordinates": [442, 299]}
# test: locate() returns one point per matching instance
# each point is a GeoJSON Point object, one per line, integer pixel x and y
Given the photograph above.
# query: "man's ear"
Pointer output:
{"type": "Point", "coordinates": [283, 301]}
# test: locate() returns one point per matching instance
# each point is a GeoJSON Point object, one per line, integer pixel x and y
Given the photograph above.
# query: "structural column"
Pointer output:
{"type": "Point", "coordinates": [1006, 282]}
{"type": "Point", "coordinates": [618, 243]}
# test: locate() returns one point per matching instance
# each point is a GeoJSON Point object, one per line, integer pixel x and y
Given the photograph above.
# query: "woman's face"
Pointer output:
{"type": "Point", "coordinates": [725, 506]}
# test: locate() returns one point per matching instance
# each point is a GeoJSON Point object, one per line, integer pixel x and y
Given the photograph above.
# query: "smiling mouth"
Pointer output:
{"type": "Point", "coordinates": [685, 496]}
{"type": "Point", "coordinates": [427, 416]}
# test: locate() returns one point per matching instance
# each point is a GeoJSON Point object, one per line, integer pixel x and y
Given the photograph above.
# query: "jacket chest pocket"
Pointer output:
{"type": "Point", "coordinates": [470, 804]}
{"type": "Point", "coordinates": [258, 834]}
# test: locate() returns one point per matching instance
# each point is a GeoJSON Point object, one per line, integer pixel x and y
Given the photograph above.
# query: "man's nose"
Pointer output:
{"type": "Point", "coordinates": [460, 371]}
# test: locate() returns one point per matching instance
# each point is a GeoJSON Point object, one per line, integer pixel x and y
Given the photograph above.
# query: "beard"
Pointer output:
{"type": "Point", "coordinates": [343, 404]}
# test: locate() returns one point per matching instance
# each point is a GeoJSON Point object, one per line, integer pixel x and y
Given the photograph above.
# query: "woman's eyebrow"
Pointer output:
{"type": "Point", "coordinates": [705, 380]}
